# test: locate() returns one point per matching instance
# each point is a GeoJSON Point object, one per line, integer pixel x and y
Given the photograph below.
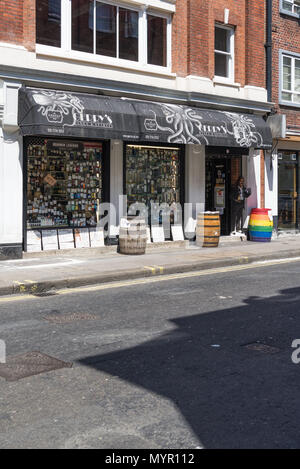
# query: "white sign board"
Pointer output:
{"type": "Point", "coordinates": [49, 238]}
{"type": "Point", "coordinates": [177, 233]}
{"type": "Point", "coordinates": [66, 239]}
{"type": "Point", "coordinates": [190, 226]}
{"type": "Point", "coordinates": [115, 230]}
{"type": "Point", "coordinates": [34, 241]}
{"type": "Point", "coordinates": [124, 223]}
{"type": "Point", "coordinates": [97, 237]}
{"type": "Point", "coordinates": [82, 238]}
{"type": "Point", "coordinates": [158, 234]}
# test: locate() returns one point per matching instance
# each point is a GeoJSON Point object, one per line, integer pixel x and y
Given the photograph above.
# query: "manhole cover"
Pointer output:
{"type": "Point", "coordinates": [263, 348]}
{"type": "Point", "coordinates": [30, 364]}
{"type": "Point", "coordinates": [70, 317]}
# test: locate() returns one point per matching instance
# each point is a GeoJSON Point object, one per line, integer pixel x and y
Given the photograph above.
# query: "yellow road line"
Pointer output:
{"type": "Point", "coordinates": [13, 299]}
{"type": "Point", "coordinates": [25, 286]}
{"type": "Point", "coordinates": [159, 268]}
{"type": "Point", "coordinates": [152, 269]}
{"type": "Point", "coordinates": [154, 279]}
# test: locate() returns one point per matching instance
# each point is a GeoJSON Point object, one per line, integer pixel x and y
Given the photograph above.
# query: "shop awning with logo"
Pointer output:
{"type": "Point", "coordinates": [67, 114]}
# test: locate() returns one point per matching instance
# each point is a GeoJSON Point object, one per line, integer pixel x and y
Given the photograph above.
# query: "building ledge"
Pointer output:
{"type": "Point", "coordinates": [85, 58]}
{"type": "Point", "coordinates": [84, 84]}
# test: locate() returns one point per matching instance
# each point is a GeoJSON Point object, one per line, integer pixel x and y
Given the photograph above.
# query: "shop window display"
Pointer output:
{"type": "Point", "coordinates": [288, 190]}
{"type": "Point", "coordinates": [64, 183]}
{"type": "Point", "coordinates": [152, 175]}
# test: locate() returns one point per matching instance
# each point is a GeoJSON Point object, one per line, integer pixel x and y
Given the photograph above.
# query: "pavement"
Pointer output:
{"type": "Point", "coordinates": [41, 272]}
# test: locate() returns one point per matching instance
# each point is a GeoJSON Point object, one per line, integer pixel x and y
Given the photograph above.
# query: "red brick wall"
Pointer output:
{"type": "Point", "coordinates": [29, 24]}
{"type": "Point", "coordinates": [286, 36]}
{"type": "Point", "coordinates": [180, 39]}
{"type": "Point", "coordinates": [17, 22]}
{"type": "Point", "coordinates": [255, 43]}
{"type": "Point", "coordinates": [193, 38]}
{"type": "Point", "coordinates": [11, 21]}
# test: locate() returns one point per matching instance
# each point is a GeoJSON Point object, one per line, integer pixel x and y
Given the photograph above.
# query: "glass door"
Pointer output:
{"type": "Point", "coordinates": [288, 200]}
{"type": "Point", "coordinates": [217, 188]}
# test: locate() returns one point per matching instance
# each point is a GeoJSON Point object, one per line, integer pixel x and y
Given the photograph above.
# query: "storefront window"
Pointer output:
{"type": "Point", "coordinates": [64, 183]}
{"type": "Point", "coordinates": [288, 190]}
{"type": "Point", "coordinates": [152, 175]}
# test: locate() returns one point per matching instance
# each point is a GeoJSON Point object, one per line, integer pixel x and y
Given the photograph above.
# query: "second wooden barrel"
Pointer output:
{"type": "Point", "coordinates": [133, 236]}
{"type": "Point", "coordinates": [208, 229]}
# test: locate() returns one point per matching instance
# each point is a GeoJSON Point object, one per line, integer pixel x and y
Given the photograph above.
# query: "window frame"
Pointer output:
{"type": "Point", "coordinates": [293, 57]}
{"type": "Point", "coordinates": [142, 63]}
{"type": "Point", "coordinates": [230, 55]}
{"type": "Point", "coordinates": [287, 12]}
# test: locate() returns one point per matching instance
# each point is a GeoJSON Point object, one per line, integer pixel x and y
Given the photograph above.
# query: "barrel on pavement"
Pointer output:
{"type": "Point", "coordinates": [260, 225]}
{"type": "Point", "coordinates": [133, 236]}
{"type": "Point", "coordinates": [208, 229]}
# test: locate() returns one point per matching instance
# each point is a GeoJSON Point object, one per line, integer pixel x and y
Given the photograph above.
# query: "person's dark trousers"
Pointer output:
{"type": "Point", "coordinates": [237, 209]}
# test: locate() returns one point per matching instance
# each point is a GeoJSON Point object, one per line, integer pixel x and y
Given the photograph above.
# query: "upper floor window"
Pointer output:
{"type": "Point", "coordinates": [157, 40]}
{"type": "Point", "coordinates": [107, 29]}
{"type": "Point", "coordinates": [48, 25]}
{"type": "Point", "coordinates": [224, 52]}
{"type": "Point", "coordinates": [290, 6]}
{"type": "Point", "coordinates": [290, 91]}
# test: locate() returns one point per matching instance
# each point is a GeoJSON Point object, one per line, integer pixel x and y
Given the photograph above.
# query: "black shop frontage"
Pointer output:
{"type": "Point", "coordinates": [67, 143]}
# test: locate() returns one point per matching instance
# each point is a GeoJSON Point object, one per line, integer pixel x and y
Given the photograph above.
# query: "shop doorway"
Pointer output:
{"type": "Point", "coordinates": [221, 173]}
{"type": "Point", "coordinates": [288, 190]}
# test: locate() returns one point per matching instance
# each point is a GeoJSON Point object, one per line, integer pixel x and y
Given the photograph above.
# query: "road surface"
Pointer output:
{"type": "Point", "coordinates": [185, 361]}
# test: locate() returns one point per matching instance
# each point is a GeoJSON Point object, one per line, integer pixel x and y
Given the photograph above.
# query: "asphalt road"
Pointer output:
{"type": "Point", "coordinates": [159, 365]}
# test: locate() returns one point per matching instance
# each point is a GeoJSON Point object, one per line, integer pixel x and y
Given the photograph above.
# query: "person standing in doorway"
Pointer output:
{"type": "Point", "coordinates": [239, 194]}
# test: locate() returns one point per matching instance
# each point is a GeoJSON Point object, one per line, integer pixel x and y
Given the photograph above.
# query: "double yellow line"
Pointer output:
{"type": "Point", "coordinates": [154, 279]}
{"type": "Point", "coordinates": [155, 269]}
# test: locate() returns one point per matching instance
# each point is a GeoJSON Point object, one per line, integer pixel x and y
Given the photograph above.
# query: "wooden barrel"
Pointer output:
{"type": "Point", "coordinates": [260, 225]}
{"type": "Point", "coordinates": [133, 236]}
{"type": "Point", "coordinates": [208, 229]}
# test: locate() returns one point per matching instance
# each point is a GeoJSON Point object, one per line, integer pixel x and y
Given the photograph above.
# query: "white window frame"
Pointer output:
{"type": "Point", "coordinates": [230, 55]}
{"type": "Point", "coordinates": [66, 51]}
{"type": "Point", "coordinates": [292, 91]}
{"type": "Point", "coordinates": [293, 5]}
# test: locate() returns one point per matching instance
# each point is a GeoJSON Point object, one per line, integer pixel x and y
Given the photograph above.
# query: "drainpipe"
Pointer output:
{"type": "Point", "coordinates": [268, 46]}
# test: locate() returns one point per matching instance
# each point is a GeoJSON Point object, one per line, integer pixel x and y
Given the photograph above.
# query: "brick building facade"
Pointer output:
{"type": "Point", "coordinates": [193, 35]}
{"type": "Point", "coordinates": [211, 57]}
{"type": "Point", "coordinates": [286, 98]}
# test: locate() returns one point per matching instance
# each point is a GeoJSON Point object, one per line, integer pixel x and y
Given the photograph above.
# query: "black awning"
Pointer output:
{"type": "Point", "coordinates": [68, 114]}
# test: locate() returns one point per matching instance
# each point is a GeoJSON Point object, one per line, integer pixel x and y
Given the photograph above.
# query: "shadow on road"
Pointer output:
{"type": "Point", "coordinates": [231, 396]}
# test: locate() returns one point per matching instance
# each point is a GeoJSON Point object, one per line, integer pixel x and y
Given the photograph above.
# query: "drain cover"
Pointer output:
{"type": "Point", "coordinates": [30, 364]}
{"type": "Point", "coordinates": [70, 317]}
{"type": "Point", "coordinates": [45, 293]}
{"type": "Point", "coordinates": [263, 348]}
